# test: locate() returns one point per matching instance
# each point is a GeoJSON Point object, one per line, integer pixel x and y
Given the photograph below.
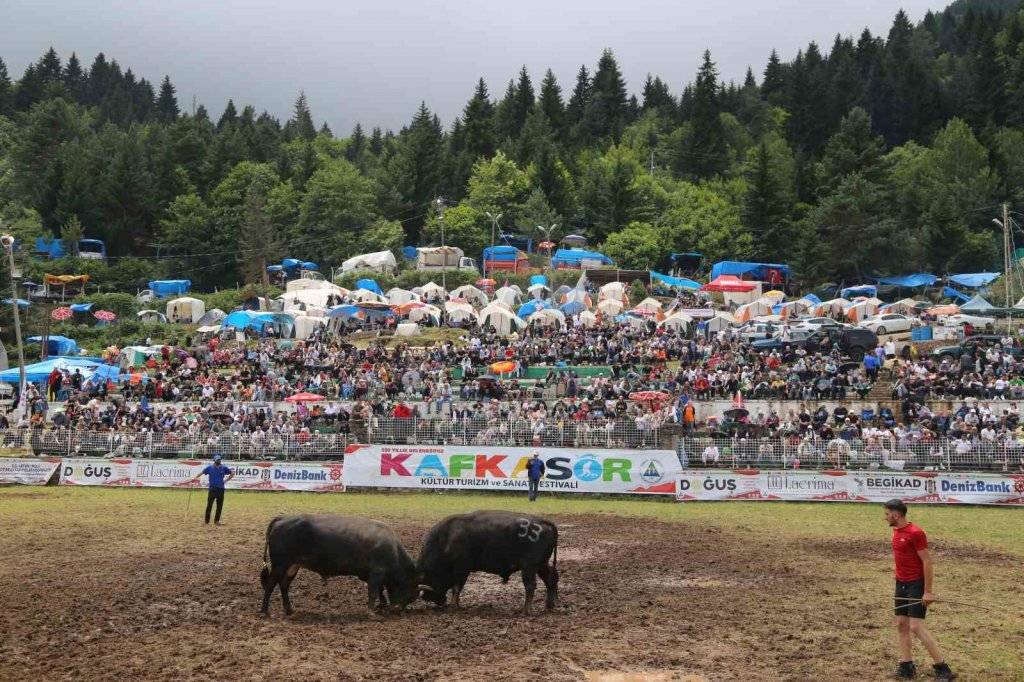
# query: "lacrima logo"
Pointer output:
{"type": "Point", "coordinates": [588, 468]}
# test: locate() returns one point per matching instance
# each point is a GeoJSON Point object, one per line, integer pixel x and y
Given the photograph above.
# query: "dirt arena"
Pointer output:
{"type": "Point", "coordinates": [124, 584]}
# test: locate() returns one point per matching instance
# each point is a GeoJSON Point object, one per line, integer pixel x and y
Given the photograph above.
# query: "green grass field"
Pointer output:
{"type": "Point", "coordinates": [979, 551]}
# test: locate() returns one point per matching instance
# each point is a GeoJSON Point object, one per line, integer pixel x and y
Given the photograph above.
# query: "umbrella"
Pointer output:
{"type": "Point", "coordinates": [485, 282]}
{"type": "Point", "coordinates": [546, 246]}
{"type": "Point", "coordinates": [304, 398]}
{"type": "Point", "coordinates": [104, 315]}
{"type": "Point", "coordinates": [61, 314]}
{"type": "Point", "coordinates": [503, 367]}
{"type": "Point", "coordinates": [649, 396]}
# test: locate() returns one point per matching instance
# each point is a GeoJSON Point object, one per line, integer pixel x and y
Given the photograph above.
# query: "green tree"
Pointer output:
{"type": "Point", "coordinates": [637, 246]}
{"type": "Point", "coordinates": [71, 233]}
{"type": "Point", "coordinates": [167, 102]}
{"type": "Point", "coordinates": [383, 235]}
{"type": "Point", "coordinates": [704, 153]}
{"type": "Point", "coordinates": [770, 197]}
{"type": "Point", "coordinates": [338, 205]}
{"type": "Point", "coordinates": [302, 118]}
{"type": "Point", "coordinates": [258, 242]}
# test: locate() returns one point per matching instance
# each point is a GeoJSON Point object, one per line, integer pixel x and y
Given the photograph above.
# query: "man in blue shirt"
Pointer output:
{"type": "Point", "coordinates": [218, 475]}
{"type": "Point", "coordinates": [535, 471]}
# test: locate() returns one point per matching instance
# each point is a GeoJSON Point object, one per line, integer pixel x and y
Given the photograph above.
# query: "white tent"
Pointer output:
{"type": "Point", "coordinates": [749, 311]}
{"type": "Point", "coordinates": [428, 312]}
{"type": "Point", "coordinates": [398, 296]}
{"type": "Point", "coordinates": [509, 295]}
{"type": "Point", "coordinates": [185, 310]}
{"type": "Point", "coordinates": [459, 312]}
{"type": "Point", "coordinates": [306, 325]}
{"type": "Point", "coordinates": [504, 321]}
{"type": "Point", "coordinates": [791, 309]}
{"type": "Point", "coordinates": [151, 316]}
{"type": "Point", "coordinates": [549, 317]}
{"type": "Point", "coordinates": [407, 329]}
{"type": "Point", "coordinates": [610, 307]}
{"type": "Point", "coordinates": [615, 291]}
{"type": "Point", "coordinates": [469, 293]}
{"type": "Point", "coordinates": [212, 316]}
{"type": "Point", "coordinates": [678, 322]}
{"type": "Point", "coordinates": [720, 322]}
{"type": "Point", "coordinates": [365, 295]}
{"type": "Point", "coordinates": [430, 291]}
{"type": "Point", "coordinates": [496, 304]}
{"type": "Point", "coordinates": [305, 284]}
{"type": "Point", "coordinates": [382, 261]}
{"type": "Point", "coordinates": [904, 305]}
{"type": "Point", "coordinates": [587, 318]}
{"type": "Point", "coordinates": [831, 307]}
{"type": "Point", "coordinates": [634, 321]}
{"type": "Point", "coordinates": [293, 300]}
{"type": "Point", "coordinates": [856, 312]}
{"type": "Point", "coordinates": [978, 304]}
{"type": "Point", "coordinates": [648, 305]}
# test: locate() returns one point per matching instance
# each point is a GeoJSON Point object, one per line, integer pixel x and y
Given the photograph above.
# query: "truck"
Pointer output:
{"type": "Point", "coordinates": [438, 257]}
{"type": "Point", "coordinates": [505, 258]}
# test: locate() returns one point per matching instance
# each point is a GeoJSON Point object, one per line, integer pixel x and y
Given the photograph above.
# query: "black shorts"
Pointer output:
{"type": "Point", "coordinates": [907, 596]}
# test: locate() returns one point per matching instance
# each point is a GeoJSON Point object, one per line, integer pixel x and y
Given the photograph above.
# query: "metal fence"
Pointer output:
{"type": "Point", "coordinates": [872, 454]}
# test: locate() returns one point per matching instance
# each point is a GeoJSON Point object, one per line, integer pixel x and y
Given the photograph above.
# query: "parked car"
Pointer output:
{"type": "Point", "coordinates": [888, 323]}
{"type": "Point", "coordinates": [815, 323]}
{"type": "Point", "coordinates": [972, 344]}
{"type": "Point", "coordinates": [755, 331]}
{"type": "Point", "coordinates": [853, 342]}
{"type": "Point", "coordinates": [976, 321]}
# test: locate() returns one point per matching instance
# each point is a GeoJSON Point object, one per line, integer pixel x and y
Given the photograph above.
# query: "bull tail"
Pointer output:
{"type": "Point", "coordinates": [554, 560]}
{"type": "Point", "coordinates": [266, 543]}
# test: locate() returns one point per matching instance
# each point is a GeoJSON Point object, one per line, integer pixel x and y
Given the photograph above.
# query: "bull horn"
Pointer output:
{"type": "Point", "coordinates": [426, 587]}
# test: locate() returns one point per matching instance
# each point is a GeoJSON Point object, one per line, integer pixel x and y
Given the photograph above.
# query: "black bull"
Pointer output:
{"type": "Point", "coordinates": [337, 545]}
{"type": "Point", "coordinates": [497, 542]}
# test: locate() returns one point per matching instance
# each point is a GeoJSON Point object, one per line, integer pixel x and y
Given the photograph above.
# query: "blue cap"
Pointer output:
{"type": "Point", "coordinates": [216, 458]}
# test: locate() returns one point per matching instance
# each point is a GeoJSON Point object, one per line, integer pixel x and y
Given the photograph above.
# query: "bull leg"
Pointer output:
{"type": "Point", "coordinates": [269, 582]}
{"type": "Point", "coordinates": [286, 582]}
{"type": "Point", "coordinates": [456, 591]}
{"type": "Point", "coordinates": [530, 583]}
{"type": "Point", "coordinates": [549, 574]}
{"type": "Point", "coordinates": [374, 591]}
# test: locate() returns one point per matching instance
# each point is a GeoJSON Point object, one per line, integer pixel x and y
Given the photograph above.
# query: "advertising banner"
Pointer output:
{"type": "Point", "coordinates": [650, 472]}
{"type": "Point", "coordinates": [851, 486]}
{"type": "Point", "coordinates": [88, 471]}
{"type": "Point", "coordinates": [34, 471]}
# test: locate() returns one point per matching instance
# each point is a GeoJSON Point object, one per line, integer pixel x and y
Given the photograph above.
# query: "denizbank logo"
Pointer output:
{"type": "Point", "coordinates": [587, 468]}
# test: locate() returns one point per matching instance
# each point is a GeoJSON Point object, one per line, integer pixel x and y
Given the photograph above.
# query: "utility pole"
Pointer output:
{"type": "Point", "coordinates": [439, 202]}
{"type": "Point", "coordinates": [547, 232]}
{"type": "Point", "coordinates": [494, 230]}
{"type": "Point", "coordinates": [8, 243]}
{"type": "Point", "coordinates": [1007, 259]}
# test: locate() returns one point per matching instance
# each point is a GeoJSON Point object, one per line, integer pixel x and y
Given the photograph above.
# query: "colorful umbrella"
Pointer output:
{"type": "Point", "coordinates": [546, 246]}
{"type": "Point", "coordinates": [304, 398]}
{"type": "Point", "coordinates": [61, 314]}
{"type": "Point", "coordinates": [504, 367]}
{"type": "Point", "coordinates": [649, 396]}
{"type": "Point", "coordinates": [104, 315]}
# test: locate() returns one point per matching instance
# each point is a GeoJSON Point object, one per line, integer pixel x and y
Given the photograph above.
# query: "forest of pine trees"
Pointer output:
{"type": "Point", "coordinates": [869, 155]}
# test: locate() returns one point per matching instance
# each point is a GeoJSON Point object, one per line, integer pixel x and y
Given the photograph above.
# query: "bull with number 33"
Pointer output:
{"type": "Point", "coordinates": [497, 542]}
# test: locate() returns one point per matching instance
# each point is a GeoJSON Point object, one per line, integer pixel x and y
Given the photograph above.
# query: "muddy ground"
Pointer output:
{"type": "Point", "coordinates": [641, 600]}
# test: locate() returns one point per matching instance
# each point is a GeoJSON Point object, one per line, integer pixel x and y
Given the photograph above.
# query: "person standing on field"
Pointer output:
{"type": "Point", "coordinates": [535, 471]}
{"type": "Point", "coordinates": [217, 475]}
{"type": "Point", "coordinates": [913, 592]}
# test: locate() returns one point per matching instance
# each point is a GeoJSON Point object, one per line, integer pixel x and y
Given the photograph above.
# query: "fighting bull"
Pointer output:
{"type": "Point", "coordinates": [338, 545]}
{"type": "Point", "coordinates": [497, 542]}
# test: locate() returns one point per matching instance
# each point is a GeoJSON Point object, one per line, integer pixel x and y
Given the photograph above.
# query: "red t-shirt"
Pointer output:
{"type": "Point", "coordinates": [906, 543]}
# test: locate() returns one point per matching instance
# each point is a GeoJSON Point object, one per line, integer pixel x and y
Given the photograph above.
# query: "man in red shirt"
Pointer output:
{"type": "Point", "coordinates": [913, 592]}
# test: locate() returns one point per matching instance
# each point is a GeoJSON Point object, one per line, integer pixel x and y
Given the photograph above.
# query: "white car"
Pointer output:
{"type": "Point", "coordinates": [756, 331]}
{"type": "Point", "coordinates": [888, 323]}
{"type": "Point", "coordinates": [815, 323]}
{"type": "Point", "coordinates": [960, 319]}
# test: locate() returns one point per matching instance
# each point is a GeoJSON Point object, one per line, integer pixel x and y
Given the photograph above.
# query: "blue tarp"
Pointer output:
{"type": "Point", "coordinates": [950, 292]}
{"type": "Point", "coordinates": [162, 288]}
{"type": "Point", "coordinates": [310, 265]}
{"type": "Point", "coordinates": [862, 290]}
{"type": "Point", "coordinates": [40, 371]}
{"type": "Point", "coordinates": [530, 307]}
{"type": "Point", "coordinates": [22, 303]}
{"type": "Point", "coordinates": [290, 263]}
{"type": "Point", "coordinates": [57, 345]}
{"type": "Point", "coordinates": [282, 323]}
{"type": "Point", "coordinates": [369, 285]}
{"type": "Point", "coordinates": [757, 271]}
{"type": "Point", "coordinates": [538, 279]}
{"type": "Point", "coordinates": [343, 311]}
{"type": "Point", "coordinates": [508, 254]}
{"type": "Point", "coordinates": [571, 308]}
{"type": "Point", "coordinates": [974, 280]}
{"type": "Point", "coordinates": [675, 281]}
{"type": "Point", "coordinates": [573, 257]}
{"type": "Point", "coordinates": [53, 248]}
{"type": "Point", "coordinates": [409, 252]}
{"type": "Point", "coordinates": [909, 281]}
{"type": "Point", "coordinates": [81, 307]}
{"type": "Point", "coordinates": [812, 298]}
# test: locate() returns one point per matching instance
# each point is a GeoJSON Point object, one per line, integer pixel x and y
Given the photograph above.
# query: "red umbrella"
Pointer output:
{"type": "Point", "coordinates": [649, 396]}
{"type": "Point", "coordinates": [546, 246]}
{"type": "Point", "coordinates": [104, 315]}
{"type": "Point", "coordinates": [304, 398]}
{"type": "Point", "coordinates": [730, 283]}
{"type": "Point", "coordinates": [61, 314]}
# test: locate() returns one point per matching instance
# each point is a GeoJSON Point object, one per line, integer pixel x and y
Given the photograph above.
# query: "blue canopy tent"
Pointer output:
{"type": "Point", "coordinates": [310, 265]}
{"type": "Point", "coordinates": [369, 285]}
{"type": "Point", "coordinates": [868, 290]}
{"type": "Point", "coordinates": [909, 281]}
{"type": "Point", "coordinates": [538, 279]}
{"type": "Point", "coordinates": [290, 263]}
{"type": "Point", "coordinates": [532, 306]}
{"type": "Point", "coordinates": [570, 308]}
{"type": "Point", "coordinates": [344, 311]}
{"type": "Point", "coordinates": [57, 345]}
{"type": "Point", "coordinates": [163, 288]}
{"type": "Point", "coordinates": [39, 372]}
{"type": "Point", "coordinates": [22, 303]}
{"type": "Point", "coordinates": [974, 280]}
{"type": "Point", "coordinates": [812, 298]}
{"type": "Point", "coordinates": [756, 271]}
{"type": "Point", "coordinates": [409, 252]}
{"type": "Point", "coordinates": [573, 258]}
{"type": "Point", "coordinates": [81, 308]}
{"type": "Point", "coordinates": [680, 282]}
{"type": "Point", "coordinates": [950, 292]}
{"type": "Point", "coordinates": [375, 311]}
{"type": "Point", "coordinates": [282, 323]}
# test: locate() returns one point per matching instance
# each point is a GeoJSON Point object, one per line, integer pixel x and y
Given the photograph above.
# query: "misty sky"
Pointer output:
{"type": "Point", "coordinates": [374, 61]}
